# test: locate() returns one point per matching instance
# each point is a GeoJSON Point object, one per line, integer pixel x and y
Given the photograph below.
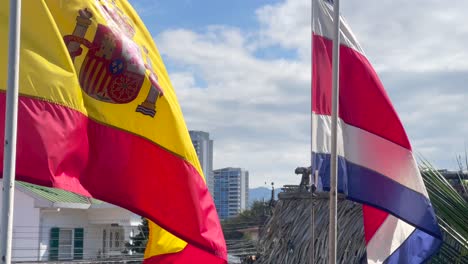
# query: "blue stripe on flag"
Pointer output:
{"type": "Point", "coordinates": [369, 187]}
{"type": "Point", "coordinates": [417, 248]}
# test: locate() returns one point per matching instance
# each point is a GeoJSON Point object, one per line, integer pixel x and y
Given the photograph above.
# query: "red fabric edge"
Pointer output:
{"type": "Point", "coordinates": [60, 147]}
{"type": "Point", "coordinates": [189, 254]}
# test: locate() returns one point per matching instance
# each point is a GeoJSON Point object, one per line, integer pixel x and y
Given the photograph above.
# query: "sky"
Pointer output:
{"type": "Point", "coordinates": [241, 71]}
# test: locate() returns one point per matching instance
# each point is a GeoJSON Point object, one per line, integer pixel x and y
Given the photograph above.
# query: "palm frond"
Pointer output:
{"type": "Point", "coordinates": [287, 235]}
{"type": "Point", "coordinates": [452, 212]}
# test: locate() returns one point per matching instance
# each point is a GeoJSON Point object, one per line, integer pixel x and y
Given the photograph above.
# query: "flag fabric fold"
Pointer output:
{"type": "Point", "coordinates": [98, 116]}
{"type": "Point", "coordinates": [376, 166]}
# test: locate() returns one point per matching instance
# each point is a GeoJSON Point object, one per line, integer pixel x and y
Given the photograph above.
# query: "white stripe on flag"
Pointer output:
{"type": "Point", "coordinates": [322, 25]}
{"type": "Point", "coordinates": [392, 233]}
{"type": "Point", "coordinates": [368, 150]}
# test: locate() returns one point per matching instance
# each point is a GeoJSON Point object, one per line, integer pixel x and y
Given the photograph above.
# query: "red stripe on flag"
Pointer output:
{"type": "Point", "coordinates": [60, 147]}
{"type": "Point", "coordinates": [363, 100]}
{"type": "Point", "coordinates": [373, 219]}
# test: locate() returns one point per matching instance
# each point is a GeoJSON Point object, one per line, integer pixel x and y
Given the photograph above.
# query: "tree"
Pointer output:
{"type": "Point", "coordinates": [255, 216]}
{"type": "Point", "coordinates": [138, 242]}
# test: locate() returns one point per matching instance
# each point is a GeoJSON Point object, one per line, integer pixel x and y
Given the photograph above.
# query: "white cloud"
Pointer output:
{"type": "Point", "coordinates": [257, 110]}
{"type": "Point", "coordinates": [418, 36]}
{"type": "Point", "coordinates": [287, 24]}
{"type": "Point", "coordinates": [436, 123]}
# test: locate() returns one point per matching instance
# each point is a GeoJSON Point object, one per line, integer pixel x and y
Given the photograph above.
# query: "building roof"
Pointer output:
{"type": "Point", "coordinates": [450, 175]}
{"type": "Point", "coordinates": [54, 195]}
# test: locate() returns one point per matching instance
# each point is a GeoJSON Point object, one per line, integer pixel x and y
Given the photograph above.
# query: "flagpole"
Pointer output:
{"type": "Point", "coordinates": [334, 157]}
{"type": "Point", "coordinates": [312, 222]}
{"type": "Point", "coordinates": [11, 117]}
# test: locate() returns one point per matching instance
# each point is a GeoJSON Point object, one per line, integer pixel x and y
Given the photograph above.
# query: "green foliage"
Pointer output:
{"type": "Point", "coordinates": [139, 241]}
{"type": "Point", "coordinates": [257, 213]}
{"type": "Point", "coordinates": [255, 216]}
{"type": "Point", "coordinates": [452, 213]}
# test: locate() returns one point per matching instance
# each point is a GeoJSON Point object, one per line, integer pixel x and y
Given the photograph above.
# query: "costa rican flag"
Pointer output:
{"type": "Point", "coordinates": [376, 166]}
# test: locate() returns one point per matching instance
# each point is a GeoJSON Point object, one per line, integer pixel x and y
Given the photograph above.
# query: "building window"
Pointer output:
{"type": "Point", "coordinates": [117, 240]}
{"type": "Point", "coordinates": [111, 239]}
{"type": "Point", "coordinates": [104, 238]}
{"type": "Point", "coordinates": [66, 243]}
{"type": "Point", "coordinates": [114, 241]}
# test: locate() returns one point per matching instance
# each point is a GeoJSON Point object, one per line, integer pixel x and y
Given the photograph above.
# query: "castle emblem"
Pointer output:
{"type": "Point", "coordinates": [114, 67]}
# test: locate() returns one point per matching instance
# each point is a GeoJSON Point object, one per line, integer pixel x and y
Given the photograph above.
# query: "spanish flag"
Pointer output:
{"type": "Point", "coordinates": [98, 116]}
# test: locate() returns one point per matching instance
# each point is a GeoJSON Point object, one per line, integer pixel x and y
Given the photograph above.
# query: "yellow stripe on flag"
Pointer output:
{"type": "Point", "coordinates": [162, 242]}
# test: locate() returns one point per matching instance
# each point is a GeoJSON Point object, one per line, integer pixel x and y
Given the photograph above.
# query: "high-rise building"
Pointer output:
{"type": "Point", "coordinates": [231, 191]}
{"type": "Point", "coordinates": [204, 148]}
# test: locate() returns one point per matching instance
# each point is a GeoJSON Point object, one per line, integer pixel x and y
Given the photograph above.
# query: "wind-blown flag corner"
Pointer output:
{"type": "Point", "coordinates": [376, 166]}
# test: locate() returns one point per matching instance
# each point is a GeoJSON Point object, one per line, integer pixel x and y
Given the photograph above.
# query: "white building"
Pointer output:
{"type": "Point", "coordinates": [52, 224]}
{"type": "Point", "coordinates": [204, 147]}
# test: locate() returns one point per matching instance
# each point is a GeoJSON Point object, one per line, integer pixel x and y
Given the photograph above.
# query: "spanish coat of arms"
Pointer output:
{"type": "Point", "coordinates": [114, 67]}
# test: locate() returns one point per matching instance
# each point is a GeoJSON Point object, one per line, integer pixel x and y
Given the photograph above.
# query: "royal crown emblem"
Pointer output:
{"type": "Point", "coordinates": [114, 67]}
